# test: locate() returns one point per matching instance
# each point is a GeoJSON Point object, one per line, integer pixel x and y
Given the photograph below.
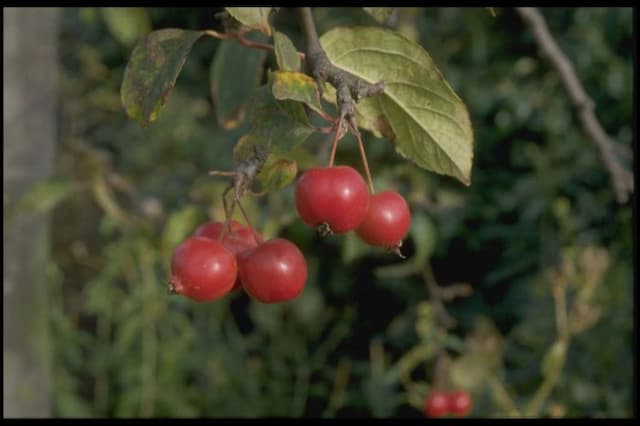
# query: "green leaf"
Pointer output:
{"type": "Point", "coordinates": [276, 125]}
{"type": "Point", "coordinates": [277, 173]}
{"type": "Point", "coordinates": [252, 17]}
{"type": "Point", "coordinates": [418, 111]}
{"type": "Point", "coordinates": [296, 86]}
{"type": "Point", "coordinates": [286, 53]}
{"type": "Point", "coordinates": [127, 24]}
{"type": "Point", "coordinates": [235, 74]}
{"type": "Point", "coordinates": [380, 14]}
{"type": "Point", "coordinates": [492, 11]}
{"type": "Point", "coordinates": [152, 71]}
{"type": "Point", "coordinates": [45, 195]}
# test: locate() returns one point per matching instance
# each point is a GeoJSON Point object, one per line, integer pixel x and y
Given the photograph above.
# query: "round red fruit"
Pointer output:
{"type": "Point", "coordinates": [203, 269]}
{"type": "Point", "coordinates": [436, 404]}
{"type": "Point", "coordinates": [337, 196]}
{"type": "Point", "coordinates": [460, 403]}
{"type": "Point", "coordinates": [273, 272]}
{"type": "Point", "coordinates": [387, 220]}
{"type": "Point", "coordinates": [237, 239]}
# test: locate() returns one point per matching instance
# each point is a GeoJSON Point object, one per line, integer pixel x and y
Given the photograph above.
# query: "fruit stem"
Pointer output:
{"type": "Point", "coordinates": [363, 155]}
{"type": "Point", "coordinates": [227, 213]}
{"type": "Point", "coordinates": [334, 144]}
{"type": "Point", "coordinates": [246, 218]}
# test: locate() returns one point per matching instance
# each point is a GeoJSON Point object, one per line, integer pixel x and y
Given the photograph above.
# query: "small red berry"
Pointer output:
{"type": "Point", "coordinates": [460, 403]}
{"type": "Point", "coordinates": [237, 239]}
{"type": "Point", "coordinates": [336, 196]}
{"type": "Point", "coordinates": [436, 404]}
{"type": "Point", "coordinates": [202, 269]}
{"type": "Point", "coordinates": [387, 220]}
{"type": "Point", "coordinates": [273, 272]}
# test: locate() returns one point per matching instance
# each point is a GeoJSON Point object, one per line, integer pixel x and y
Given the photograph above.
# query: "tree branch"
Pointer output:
{"type": "Point", "coordinates": [349, 88]}
{"type": "Point", "coordinates": [622, 179]}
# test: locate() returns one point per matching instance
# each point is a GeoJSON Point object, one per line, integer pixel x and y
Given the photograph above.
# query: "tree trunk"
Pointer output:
{"type": "Point", "coordinates": [30, 102]}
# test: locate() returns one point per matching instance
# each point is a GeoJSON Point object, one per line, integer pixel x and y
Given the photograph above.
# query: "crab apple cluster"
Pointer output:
{"type": "Point", "coordinates": [335, 200]}
{"type": "Point", "coordinates": [221, 257]}
{"type": "Point", "coordinates": [439, 404]}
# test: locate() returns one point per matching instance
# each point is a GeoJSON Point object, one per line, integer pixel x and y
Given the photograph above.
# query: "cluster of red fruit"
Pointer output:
{"type": "Point", "coordinates": [440, 404]}
{"type": "Point", "coordinates": [215, 261]}
{"type": "Point", "coordinates": [222, 256]}
{"type": "Point", "coordinates": [337, 198]}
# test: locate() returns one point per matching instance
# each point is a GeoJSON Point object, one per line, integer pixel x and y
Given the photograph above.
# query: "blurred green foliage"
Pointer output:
{"type": "Point", "coordinates": [361, 340]}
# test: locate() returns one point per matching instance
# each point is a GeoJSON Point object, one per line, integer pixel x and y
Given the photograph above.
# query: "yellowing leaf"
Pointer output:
{"type": "Point", "coordinates": [277, 173]}
{"type": "Point", "coordinates": [418, 111]}
{"type": "Point", "coordinates": [296, 86]}
{"type": "Point", "coordinates": [253, 17]}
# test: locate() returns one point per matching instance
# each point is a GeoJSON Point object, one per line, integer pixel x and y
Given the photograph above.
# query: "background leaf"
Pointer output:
{"type": "Point", "coordinates": [45, 195]}
{"type": "Point", "coordinates": [235, 73]}
{"type": "Point", "coordinates": [286, 53]}
{"type": "Point", "coordinates": [253, 17]}
{"type": "Point", "coordinates": [178, 227]}
{"type": "Point", "coordinates": [127, 24]}
{"type": "Point", "coordinates": [380, 14]}
{"type": "Point", "coordinates": [152, 70]}
{"type": "Point", "coordinates": [418, 112]}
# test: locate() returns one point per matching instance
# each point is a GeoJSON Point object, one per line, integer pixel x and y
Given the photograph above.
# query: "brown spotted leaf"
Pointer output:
{"type": "Point", "coordinates": [152, 71]}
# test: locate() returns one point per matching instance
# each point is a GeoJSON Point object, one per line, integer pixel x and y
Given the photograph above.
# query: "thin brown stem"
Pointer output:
{"type": "Point", "coordinates": [227, 212]}
{"type": "Point", "coordinates": [334, 143]}
{"type": "Point", "coordinates": [221, 173]}
{"type": "Point", "coordinates": [325, 115]}
{"type": "Point", "coordinates": [246, 218]}
{"type": "Point", "coordinates": [245, 42]}
{"type": "Point", "coordinates": [323, 130]}
{"type": "Point", "coordinates": [365, 163]}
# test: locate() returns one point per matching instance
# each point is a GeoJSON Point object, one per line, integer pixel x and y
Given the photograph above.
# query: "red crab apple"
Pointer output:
{"type": "Point", "coordinates": [237, 238]}
{"type": "Point", "coordinates": [202, 269]}
{"type": "Point", "coordinates": [273, 272]}
{"type": "Point", "coordinates": [336, 197]}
